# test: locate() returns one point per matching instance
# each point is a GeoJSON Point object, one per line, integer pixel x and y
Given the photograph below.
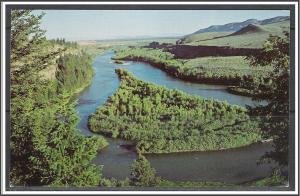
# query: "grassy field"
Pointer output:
{"type": "Point", "coordinates": [253, 39]}
{"type": "Point", "coordinates": [220, 66]}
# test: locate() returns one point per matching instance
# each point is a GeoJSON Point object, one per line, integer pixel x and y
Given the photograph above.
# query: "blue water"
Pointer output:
{"type": "Point", "coordinates": [232, 166]}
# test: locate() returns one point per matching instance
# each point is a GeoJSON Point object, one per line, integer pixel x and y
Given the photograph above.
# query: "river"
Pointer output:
{"type": "Point", "coordinates": [231, 166]}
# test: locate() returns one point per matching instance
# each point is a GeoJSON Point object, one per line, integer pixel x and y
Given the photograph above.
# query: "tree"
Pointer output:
{"type": "Point", "coordinates": [46, 148]}
{"type": "Point", "coordinates": [62, 155]}
{"type": "Point", "coordinates": [29, 47]}
{"type": "Point", "coordinates": [142, 174]}
{"type": "Point", "coordinates": [28, 92]}
{"type": "Point", "coordinates": [275, 52]}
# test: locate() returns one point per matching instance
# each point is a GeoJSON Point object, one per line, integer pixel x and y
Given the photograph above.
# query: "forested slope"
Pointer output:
{"type": "Point", "coordinates": [45, 146]}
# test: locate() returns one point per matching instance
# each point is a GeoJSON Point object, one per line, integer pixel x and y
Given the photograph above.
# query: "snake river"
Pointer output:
{"type": "Point", "coordinates": [230, 166]}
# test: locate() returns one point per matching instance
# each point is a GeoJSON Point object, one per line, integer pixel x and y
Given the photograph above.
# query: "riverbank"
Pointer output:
{"type": "Point", "coordinates": [236, 90]}
{"type": "Point", "coordinates": [176, 74]}
{"type": "Point", "coordinates": [274, 181]}
{"type": "Point", "coordinates": [81, 65]}
{"type": "Point", "coordinates": [231, 83]}
{"type": "Point", "coordinates": [229, 71]}
{"type": "Point", "coordinates": [267, 182]}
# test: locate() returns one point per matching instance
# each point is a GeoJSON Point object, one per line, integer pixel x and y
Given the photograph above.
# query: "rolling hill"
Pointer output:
{"type": "Point", "coordinates": [240, 35]}
{"type": "Point", "coordinates": [239, 25]}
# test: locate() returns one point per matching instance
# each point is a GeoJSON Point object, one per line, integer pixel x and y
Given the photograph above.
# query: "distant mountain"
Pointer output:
{"type": "Point", "coordinates": [252, 35]}
{"type": "Point", "coordinates": [239, 25]}
{"type": "Point", "coordinates": [274, 20]}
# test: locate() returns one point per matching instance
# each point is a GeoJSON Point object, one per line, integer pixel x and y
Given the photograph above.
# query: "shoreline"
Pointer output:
{"type": "Point", "coordinates": [177, 75]}
{"type": "Point", "coordinates": [229, 83]}
{"type": "Point", "coordinates": [132, 147]}
{"type": "Point", "coordinates": [236, 90]}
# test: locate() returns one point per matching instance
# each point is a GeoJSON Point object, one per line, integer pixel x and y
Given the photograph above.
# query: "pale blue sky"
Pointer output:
{"type": "Point", "coordinates": [110, 24]}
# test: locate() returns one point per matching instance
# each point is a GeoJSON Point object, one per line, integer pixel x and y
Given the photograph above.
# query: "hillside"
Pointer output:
{"type": "Point", "coordinates": [251, 28]}
{"type": "Point", "coordinates": [250, 36]}
{"type": "Point", "coordinates": [239, 25]}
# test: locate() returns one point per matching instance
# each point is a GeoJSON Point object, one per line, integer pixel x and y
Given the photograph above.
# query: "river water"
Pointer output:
{"type": "Point", "coordinates": [231, 166]}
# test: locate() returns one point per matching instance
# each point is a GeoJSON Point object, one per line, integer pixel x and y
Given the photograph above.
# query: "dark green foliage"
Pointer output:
{"type": "Point", "coordinates": [160, 120]}
{"type": "Point", "coordinates": [27, 99]}
{"type": "Point", "coordinates": [112, 182]}
{"type": "Point", "coordinates": [255, 86]}
{"type": "Point", "coordinates": [142, 174]}
{"type": "Point", "coordinates": [276, 125]}
{"type": "Point", "coordinates": [74, 71]}
{"type": "Point", "coordinates": [45, 146]}
{"type": "Point", "coordinates": [26, 36]}
{"type": "Point", "coordinates": [62, 156]}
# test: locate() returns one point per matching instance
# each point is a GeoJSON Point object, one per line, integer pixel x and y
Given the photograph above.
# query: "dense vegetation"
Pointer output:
{"type": "Point", "coordinates": [277, 112]}
{"type": "Point", "coordinates": [74, 72]}
{"type": "Point", "coordinates": [45, 146]}
{"type": "Point", "coordinates": [161, 120]}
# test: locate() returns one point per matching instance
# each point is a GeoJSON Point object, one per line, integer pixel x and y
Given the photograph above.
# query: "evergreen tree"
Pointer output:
{"type": "Point", "coordinates": [142, 174]}
{"type": "Point", "coordinates": [28, 92]}
{"type": "Point", "coordinates": [45, 146]}
{"type": "Point", "coordinates": [28, 45]}
{"type": "Point", "coordinates": [276, 53]}
{"type": "Point", "coordinates": [63, 156]}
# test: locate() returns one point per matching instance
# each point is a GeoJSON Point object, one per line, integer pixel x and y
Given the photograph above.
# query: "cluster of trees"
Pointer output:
{"type": "Point", "coordinates": [74, 71]}
{"type": "Point", "coordinates": [62, 41]}
{"type": "Point", "coordinates": [45, 145]}
{"type": "Point", "coordinates": [160, 120]}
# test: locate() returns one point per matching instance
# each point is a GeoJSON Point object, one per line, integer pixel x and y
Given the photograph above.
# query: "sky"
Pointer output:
{"type": "Point", "coordinates": [115, 24]}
